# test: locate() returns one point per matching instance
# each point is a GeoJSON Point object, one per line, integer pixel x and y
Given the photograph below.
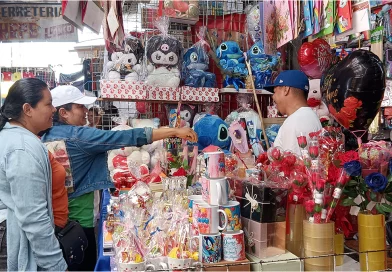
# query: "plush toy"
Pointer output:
{"type": "Point", "coordinates": [126, 64]}
{"type": "Point", "coordinates": [212, 130]}
{"type": "Point", "coordinates": [232, 60]}
{"type": "Point", "coordinates": [315, 102]}
{"type": "Point", "coordinates": [165, 56]}
{"type": "Point", "coordinates": [195, 65]}
{"type": "Point", "coordinates": [262, 65]}
{"type": "Point", "coordinates": [187, 114]}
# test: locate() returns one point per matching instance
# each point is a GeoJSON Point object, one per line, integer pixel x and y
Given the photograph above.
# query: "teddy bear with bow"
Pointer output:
{"type": "Point", "coordinates": [315, 101]}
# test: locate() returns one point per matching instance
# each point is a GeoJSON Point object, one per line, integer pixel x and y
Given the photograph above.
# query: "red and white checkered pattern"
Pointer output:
{"type": "Point", "coordinates": [121, 89]}
{"type": "Point", "coordinates": [200, 94]}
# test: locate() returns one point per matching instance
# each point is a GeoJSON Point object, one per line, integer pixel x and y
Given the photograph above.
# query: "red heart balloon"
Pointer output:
{"type": "Point", "coordinates": [315, 58]}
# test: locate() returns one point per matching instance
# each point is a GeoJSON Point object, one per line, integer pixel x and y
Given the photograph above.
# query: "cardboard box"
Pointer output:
{"type": "Point", "coordinates": [232, 266]}
{"type": "Point", "coordinates": [264, 240]}
{"type": "Point", "coordinates": [121, 89]}
{"type": "Point", "coordinates": [285, 262]}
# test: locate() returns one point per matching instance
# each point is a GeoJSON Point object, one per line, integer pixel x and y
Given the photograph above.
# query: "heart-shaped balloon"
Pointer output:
{"type": "Point", "coordinates": [315, 58]}
{"type": "Point", "coordinates": [354, 88]}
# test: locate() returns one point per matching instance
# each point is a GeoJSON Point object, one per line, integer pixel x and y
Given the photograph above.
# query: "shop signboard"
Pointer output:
{"type": "Point", "coordinates": [34, 21]}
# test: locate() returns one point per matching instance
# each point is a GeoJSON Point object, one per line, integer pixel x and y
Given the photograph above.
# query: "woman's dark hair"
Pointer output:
{"type": "Point", "coordinates": [56, 116]}
{"type": "Point", "coordinates": [26, 90]}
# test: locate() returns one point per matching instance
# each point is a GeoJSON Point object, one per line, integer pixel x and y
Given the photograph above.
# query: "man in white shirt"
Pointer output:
{"type": "Point", "coordinates": [291, 89]}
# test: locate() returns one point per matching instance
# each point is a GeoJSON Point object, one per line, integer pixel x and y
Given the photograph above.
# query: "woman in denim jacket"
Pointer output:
{"type": "Point", "coordinates": [25, 178]}
{"type": "Point", "coordinates": [83, 152]}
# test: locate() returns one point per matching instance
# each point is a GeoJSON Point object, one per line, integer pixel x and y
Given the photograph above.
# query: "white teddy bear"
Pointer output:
{"type": "Point", "coordinates": [126, 64]}
{"type": "Point", "coordinates": [163, 77]}
{"type": "Point", "coordinates": [314, 100]}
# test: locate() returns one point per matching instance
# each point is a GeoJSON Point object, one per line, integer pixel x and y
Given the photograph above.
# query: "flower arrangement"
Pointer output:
{"type": "Point", "coordinates": [367, 193]}
{"type": "Point", "coordinates": [179, 163]}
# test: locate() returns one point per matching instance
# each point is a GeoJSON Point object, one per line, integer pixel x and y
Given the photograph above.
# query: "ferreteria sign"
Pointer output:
{"type": "Point", "coordinates": [33, 21]}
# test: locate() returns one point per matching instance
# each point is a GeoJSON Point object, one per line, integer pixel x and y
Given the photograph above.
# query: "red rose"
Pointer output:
{"type": "Point", "coordinates": [302, 142]}
{"type": "Point", "coordinates": [348, 156]}
{"type": "Point", "coordinates": [352, 103]}
{"type": "Point", "coordinates": [313, 102]}
{"type": "Point", "coordinates": [332, 110]}
{"type": "Point", "coordinates": [180, 172]}
{"type": "Point", "coordinates": [315, 134]}
{"type": "Point", "coordinates": [333, 174]}
{"type": "Point", "coordinates": [262, 158]}
{"type": "Point", "coordinates": [313, 151]}
{"type": "Point", "coordinates": [275, 153]}
{"type": "Point", "coordinates": [343, 120]}
{"type": "Point", "coordinates": [309, 205]}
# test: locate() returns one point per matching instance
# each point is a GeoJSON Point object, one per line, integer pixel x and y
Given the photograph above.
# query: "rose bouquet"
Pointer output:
{"type": "Point", "coordinates": [371, 193]}
{"type": "Point", "coordinates": [183, 163]}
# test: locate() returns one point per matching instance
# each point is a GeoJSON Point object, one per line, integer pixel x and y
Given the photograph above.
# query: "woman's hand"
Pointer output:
{"type": "Point", "coordinates": [186, 133]}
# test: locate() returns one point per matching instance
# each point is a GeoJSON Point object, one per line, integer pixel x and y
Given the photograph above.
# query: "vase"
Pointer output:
{"type": "Point", "coordinates": [372, 237]}
{"type": "Point", "coordinates": [339, 248]}
{"type": "Point", "coordinates": [294, 241]}
{"type": "Point", "coordinates": [319, 240]}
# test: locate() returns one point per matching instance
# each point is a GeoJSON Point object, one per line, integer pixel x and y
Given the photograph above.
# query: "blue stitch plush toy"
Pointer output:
{"type": "Point", "coordinates": [232, 60]}
{"type": "Point", "coordinates": [194, 68]}
{"type": "Point", "coordinates": [212, 130]}
{"type": "Point", "coordinates": [262, 65]}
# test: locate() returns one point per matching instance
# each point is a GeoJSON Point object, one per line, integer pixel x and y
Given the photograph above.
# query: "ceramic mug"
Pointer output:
{"type": "Point", "coordinates": [215, 164]}
{"type": "Point", "coordinates": [160, 263]}
{"type": "Point", "coordinates": [179, 263]}
{"type": "Point", "coordinates": [127, 267]}
{"type": "Point", "coordinates": [233, 211]}
{"type": "Point", "coordinates": [215, 191]}
{"type": "Point", "coordinates": [191, 199]}
{"type": "Point", "coordinates": [233, 246]}
{"type": "Point", "coordinates": [207, 218]}
{"type": "Point", "coordinates": [210, 247]}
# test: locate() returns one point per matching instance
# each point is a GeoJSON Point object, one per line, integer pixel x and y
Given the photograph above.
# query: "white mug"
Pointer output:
{"type": "Point", "coordinates": [215, 191]}
{"type": "Point", "coordinates": [160, 263]}
{"type": "Point", "coordinates": [127, 267]}
{"type": "Point", "coordinates": [179, 263]}
{"type": "Point", "coordinates": [207, 218]}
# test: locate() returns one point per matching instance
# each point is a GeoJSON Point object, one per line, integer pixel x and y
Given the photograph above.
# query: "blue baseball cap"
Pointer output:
{"type": "Point", "coordinates": [292, 78]}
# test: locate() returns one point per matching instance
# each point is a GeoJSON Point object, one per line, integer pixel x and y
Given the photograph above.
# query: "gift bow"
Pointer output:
{"type": "Point", "coordinates": [252, 201]}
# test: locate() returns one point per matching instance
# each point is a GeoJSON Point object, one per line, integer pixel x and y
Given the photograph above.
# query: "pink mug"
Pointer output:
{"type": "Point", "coordinates": [215, 165]}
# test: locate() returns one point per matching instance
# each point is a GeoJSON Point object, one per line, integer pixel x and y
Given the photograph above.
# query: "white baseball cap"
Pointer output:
{"type": "Point", "coordinates": [66, 94]}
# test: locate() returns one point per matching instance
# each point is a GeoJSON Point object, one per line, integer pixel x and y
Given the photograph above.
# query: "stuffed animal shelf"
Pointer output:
{"type": "Point", "coordinates": [232, 60]}
{"type": "Point", "coordinates": [195, 66]}
{"type": "Point", "coordinates": [164, 54]}
{"type": "Point", "coordinates": [126, 64]}
{"type": "Point", "coordinates": [315, 102]}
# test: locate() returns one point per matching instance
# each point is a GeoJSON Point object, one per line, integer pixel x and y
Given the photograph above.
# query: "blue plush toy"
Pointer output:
{"type": "Point", "coordinates": [262, 64]}
{"type": "Point", "coordinates": [232, 60]}
{"type": "Point", "coordinates": [194, 68]}
{"type": "Point", "coordinates": [212, 130]}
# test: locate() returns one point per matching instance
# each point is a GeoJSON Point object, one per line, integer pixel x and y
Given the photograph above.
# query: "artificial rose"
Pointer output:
{"type": "Point", "coordinates": [313, 102]}
{"type": "Point", "coordinates": [302, 142]}
{"type": "Point", "coordinates": [309, 205]}
{"type": "Point", "coordinates": [290, 159]}
{"type": "Point", "coordinates": [276, 154]}
{"type": "Point", "coordinates": [377, 182]}
{"type": "Point", "coordinates": [348, 156]}
{"type": "Point", "coordinates": [342, 119]}
{"type": "Point", "coordinates": [313, 151]}
{"type": "Point", "coordinates": [262, 158]}
{"type": "Point", "coordinates": [180, 172]}
{"type": "Point", "coordinates": [315, 134]}
{"type": "Point", "coordinates": [333, 174]}
{"type": "Point", "coordinates": [353, 168]}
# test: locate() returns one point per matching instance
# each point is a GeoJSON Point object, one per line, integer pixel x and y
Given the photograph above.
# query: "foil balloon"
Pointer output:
{"type": "Point", "coordinates": [354, 88]}
{"type": "Point", "coordinates": [315, 58]}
